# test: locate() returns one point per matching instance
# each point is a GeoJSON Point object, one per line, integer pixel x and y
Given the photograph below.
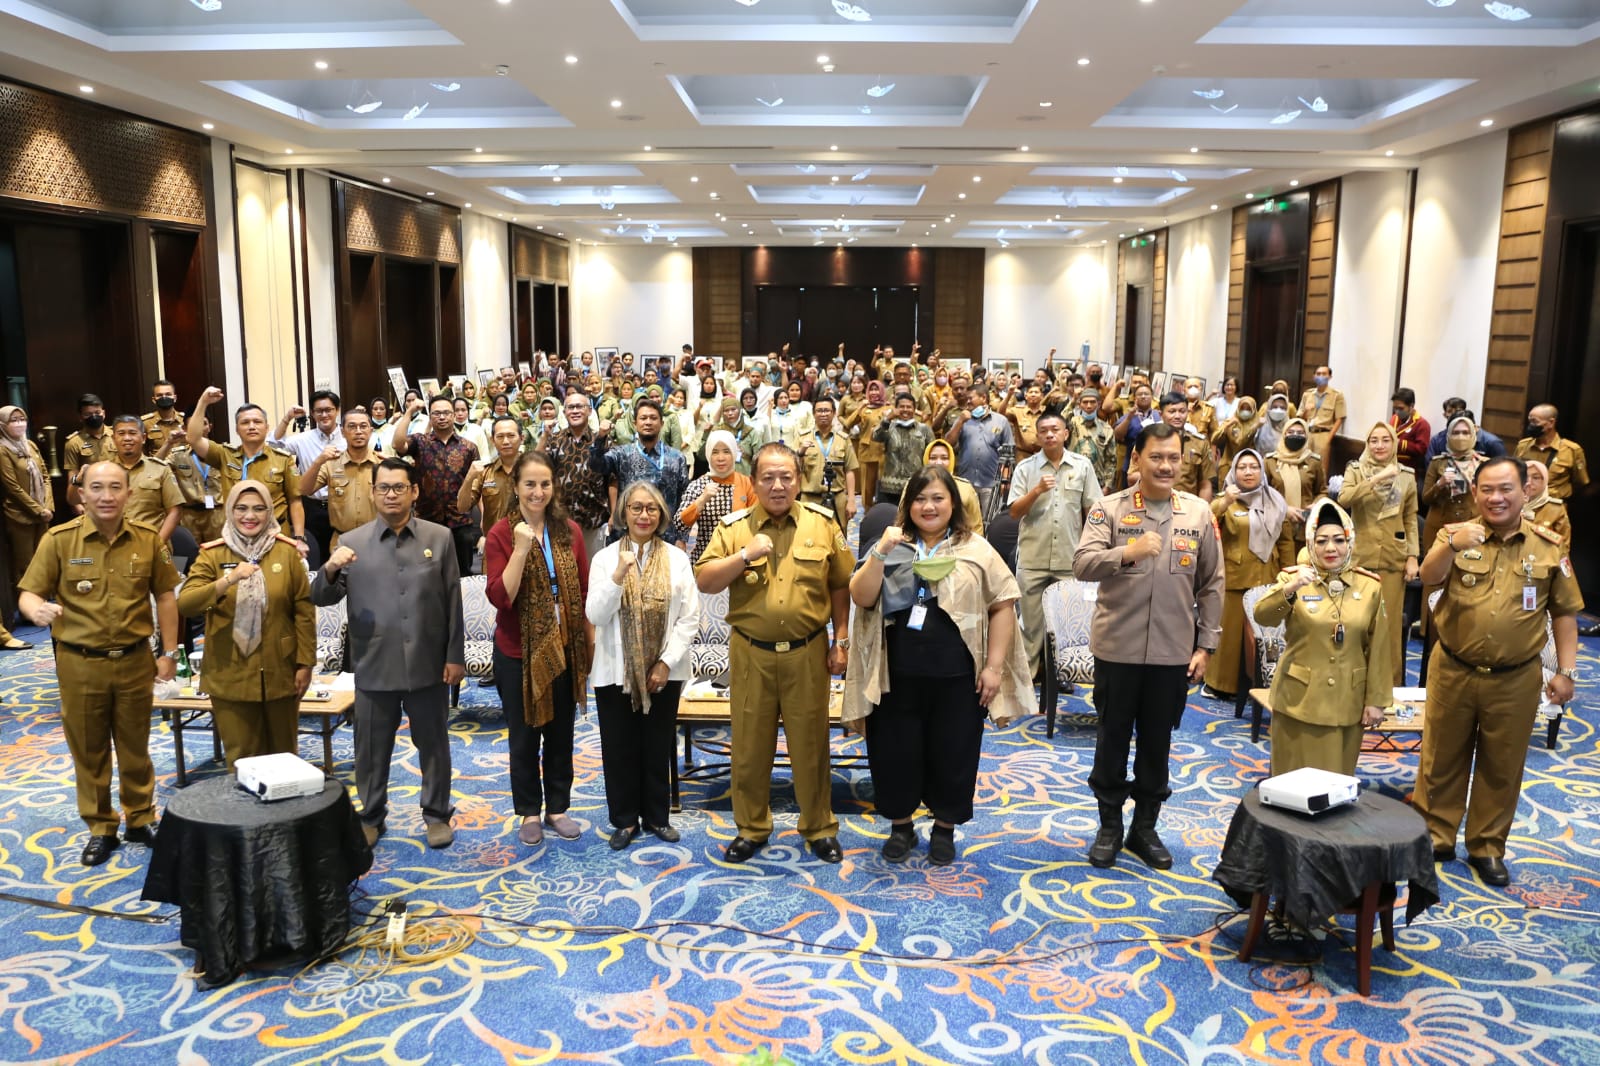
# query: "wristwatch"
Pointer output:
{"type": "Point", "coordinates": [173, 655]}
{"type": "Point", "coordinates": [842, 643]}
{"type": "Point", "coordinates": [1569, 672]}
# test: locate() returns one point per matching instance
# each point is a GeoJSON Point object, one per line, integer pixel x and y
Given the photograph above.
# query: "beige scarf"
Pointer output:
{"type": "Point", "coordinates": [552, 641]}
{"type": "Point", "coordinates": [250, 602]}
{"type": "Point", "coordinates": [23, 451]}
{"type": "Point", "coordinates": [646, 600]}
{"type": "Point", "coordinates": [1388, 492]}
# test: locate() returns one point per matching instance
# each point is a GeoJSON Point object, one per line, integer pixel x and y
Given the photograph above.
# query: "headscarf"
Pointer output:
{"type": "Point", "coordinates": [1315, 516]}
{"type": "Point", "coordinates": [1267, 508]}
{"type": "Point", "coordinates": [36, 486]}
{"type": "Point", "coordinates": [1269, 434]}
{"type": "Point", "coordinates": [1465, 466]}
{"type": "Point", "coordinates": [1387, 491]}
{"type": "Point", "coordinates": [1291, 464]}
{"type": "Point", "coordinates": [250, 604]}
{"type": "Point", "coordinates": [875, 393]}
{"type": "Point", "coordinates": [936, 443]}
{"type": "Point", "coordinates": [1536, 502]}
{"type": "Point", "coordinates": [742, 492]}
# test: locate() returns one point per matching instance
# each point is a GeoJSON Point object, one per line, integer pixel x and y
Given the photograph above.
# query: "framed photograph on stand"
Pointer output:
{"type": "Point", "coordinates": [456, 381]}
{"type": "Point", "coordinates": [429, 387]}
{"type": "Point", "coordinates": [603, 358]}
{"type": "Point", "coordinates": [1158, 382]}
{"type": "Point", "coordinates": [748, 361]}
{"type": "Point", "coordinates": [524, 371]}
{"type": "Point", "coordinates": [952, 365]}
{"type": "Point", "coordinates": [398, 382]}
{"type": "Point", "coordinates": [1003, 366]}
{"type": "Point", "coordinates": [484, 377]}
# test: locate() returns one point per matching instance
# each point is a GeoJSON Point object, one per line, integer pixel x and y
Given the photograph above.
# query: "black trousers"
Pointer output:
{"type": "Point", "coordinates": [319, 530]}
{"type": "Point", "coordinates": [636, 752]}
{"type": "Point", "coordinates": [548, 747]}
{"type": "Point", "coordinates": [923, 745]}
{"type": "Point", "coordinates": [465, 539]}
{"type": "Point", "coordinates": [1128, 695]}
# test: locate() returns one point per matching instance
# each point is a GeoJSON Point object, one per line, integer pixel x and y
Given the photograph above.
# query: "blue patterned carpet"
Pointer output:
{"type": "Point", "coordinates": [1018, 953]}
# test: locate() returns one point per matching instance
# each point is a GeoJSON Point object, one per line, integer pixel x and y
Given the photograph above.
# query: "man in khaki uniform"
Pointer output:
{"type": "Point", "coordinates": [1502, 575]}
{"type": "Point", "coordinates": [492, 485]}
{"type": "Point", "coordinates": [160, 424]}
{"type": "Point", "coordinates": [1197, 471]}
{"type": "Point", "coordinates": [828, 461]}
{"type": "Point", "coordinates": [90, 444]}
{"type": "Point", "coordinates": [1323, 408]}
{"type": "Point", "coordinates": [1157, 620]}
{"type": "Point", "coordinates": [1202, 415]}
{"type": "Point", "coordinates": [1569, 469]}
{"type": "Point", "coordinates": [347, 475]}
{"type": "Point", "coordinates": [787, 571]}
{"type": "Point", "coordinates": [200, 485]}
{"type": "Point", "coordinates": [252, 459]}
{"type": "Point", "coordinates": [153, 494]}
{"type": "Point", "coordinates": [102, 569]}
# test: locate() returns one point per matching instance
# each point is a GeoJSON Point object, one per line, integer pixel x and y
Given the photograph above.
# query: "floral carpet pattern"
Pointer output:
{"type": "Point", "coordinates": [1020, 952]}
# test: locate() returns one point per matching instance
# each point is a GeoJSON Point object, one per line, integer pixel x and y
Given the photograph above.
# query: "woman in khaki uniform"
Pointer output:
{"type": "Point", "coordinates": [25, 496]}
{"type": "Point", "coordinates": [1333, 680]}
{"type": "Point", "coordinates": [1544, 509]}
{"type": "Point", "coordinates": [861, 424]}
{"type": "Point", "coordinates": [1296, 473]}
{"type": "Point", "coordinates": [1381, 498]}
{"type": "Point", "coordinates": [261, 628]}
{"type": "Point", "coordinates": [1238, 432]}
{"type": "Point", "coordinates": [1447, 490]}
{"type": "Point", "coordinates": [1251, 518]}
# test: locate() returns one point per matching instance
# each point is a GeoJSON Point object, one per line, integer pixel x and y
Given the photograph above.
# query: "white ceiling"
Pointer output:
{"type": "Point", "coordinates": [958, 122]}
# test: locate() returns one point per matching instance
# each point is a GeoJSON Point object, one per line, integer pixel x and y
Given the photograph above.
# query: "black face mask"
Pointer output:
{"type": "Point", "coordinates": [166, 403]}
{"type": "Point", "coordinates": [1532, 429]}
{"type": "Point", "coordinates": [94, 421]}
{"type": "Point", "coordinates": [1294, 443]}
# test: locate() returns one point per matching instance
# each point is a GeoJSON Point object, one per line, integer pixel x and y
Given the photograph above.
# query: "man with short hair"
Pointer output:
{"type": "Point", "coordinates": [828, 463]}
{"type": "Point", "coordinates": [306, 447]}
{"type": "Point", "coordinates": [786, 569]}
{"type": "Point", "coordinates": [1197, 474]}
{"type": "Point", "coordinates": [102, 569]}
{"type": "Point", "coordinates": [491, 487]}
{"type": "Point", "coordinates": [153, 494]}
{"type": "Point", "coordinates": [1569, 469]}
{"type": "Point", "coordinates": [579, 454]}
{"type": "Point", "coordinates": [1051, 492]}
{"type": "Point", "coordinates": [1202, 416]}
{"type": "Point", "coordinates": [1094, 437]}
{"type": "Point", "coordinates": [90, 443]}
{"type": "Point", "coordinates": [407, 643]}
{"type": "Point", "coordinates": [160, 424]}
{"type": "Point", "coordinates": [1323, 408]}
{"type": "Point", "coordinates": [345, 476]}
{"type": "Point", "coordinates": [1488, 444]}
{"type": "Point", "coordinates": [252, 459]}
{"type": "Point", "coordinates": [905, 440]}
{"type": "Point", "coordinates": [1412, 430]}
{"type": "Point", "coordinates": [647, 458]}
{"type": "Point", "coordinates": [984, 447]}
{"type": "Point", "coordinates": [444, 459]}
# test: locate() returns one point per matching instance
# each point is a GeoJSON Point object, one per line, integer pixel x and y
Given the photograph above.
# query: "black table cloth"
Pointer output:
{"type": "Point", "coordinates": [1316, 866]}
{"type": "Point", "coordinates": [257, 880]}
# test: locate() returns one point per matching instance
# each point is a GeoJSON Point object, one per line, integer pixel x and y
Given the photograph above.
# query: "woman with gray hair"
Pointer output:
{"type": "Point", "coordinates": [645, 608]}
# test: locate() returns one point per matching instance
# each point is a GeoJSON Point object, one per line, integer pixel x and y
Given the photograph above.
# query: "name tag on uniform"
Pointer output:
{"type": "Point", "coordinates": [1530, 598]}
{"type": "Point", "coordinates": [85, 561]}
{"type": "Point", "coordinates": [1310, 599]}
{"type": "Point", "coordinates": [919, 615]}
{"type": "Point", "coordinates": [211, 502]}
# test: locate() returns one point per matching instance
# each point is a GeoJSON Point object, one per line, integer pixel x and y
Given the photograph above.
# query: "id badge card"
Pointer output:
{"type": "Point", "coordinates": [1530, 598]}
{"type": "Point", "coordinates": [211, 502]}
{"type": "Point", "coordinates": [919, 615]}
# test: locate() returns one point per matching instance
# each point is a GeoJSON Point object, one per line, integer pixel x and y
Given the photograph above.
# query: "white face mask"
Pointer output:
{"type": "Point", "coordinates": [1194, 393]}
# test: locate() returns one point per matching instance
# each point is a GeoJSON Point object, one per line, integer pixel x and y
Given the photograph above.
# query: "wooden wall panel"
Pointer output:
{"type": "Point", "coordinates": [1319, 279]}
{"type": "Point", "coordinates": [537, 256]}
{"type": "Point", "coordinates": [398, 225]}
{"type": "Point", "coordinates": [1233, 357]}
{"type": "Point", "coordinates": [1119, 338]}
{"type": "Point", "coordinates": [718, 302]}
{"type": "Point", "coordinates": [1516, 291]}
{"type": "Point", "coordinates": [958, 302]}
{"type": "Point", "coordinates": [1158, 303]}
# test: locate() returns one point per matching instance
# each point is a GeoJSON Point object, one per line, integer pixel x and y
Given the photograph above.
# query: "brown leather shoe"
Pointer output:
{"type": "Point", "coordinates": [372, 833]}
{"type": "Point", "coordinates": [440, 834]}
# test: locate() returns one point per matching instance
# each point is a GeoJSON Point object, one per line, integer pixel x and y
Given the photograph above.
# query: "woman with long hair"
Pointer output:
{"type": "Point", "coordinates": [1251, 517]}
{"type": "Point", "coordinates": [717, 493]}
{"type": "Point", "coordinates": [1380, 496]}
{"type": "Point", "coordinates": [537, 579]}
{"type": "Point", "coordinates": [936, 647]}
{"type": "Point", "coordinates": [645, 608]}
{"type": "Point", "coordinates": [261, 628]}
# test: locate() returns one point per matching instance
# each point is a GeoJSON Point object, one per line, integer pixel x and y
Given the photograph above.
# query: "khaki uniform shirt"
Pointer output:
{"type": "Point", "coordinates": [1569, 469]}
{"type": "Point", "coordinates": [840, 454]}
{"type": "Point", "coordinates": [1025, 422]}
{"type": "Point", "coordinates": [1320, 417]}
{"type": "Point", "coordinates": [1382, 543]}
{"type": "Point", "coordinates": [1159, 610]}
{"type": "Point", "coordinates": [152, 490]}
{"type": "Point", "coordinates": [273, 468]}
{"type": "Point", "coordinates": [156, 431]}
{"type": "Point", "coordinates": [1320, 679]}
{"type": "Point", "coordinates": [1484, 614]}
{"type": "Point", "coordinates": [1204, 418]}
{"type": "Point", "coordinates": [1552, 514]}
{"type": "Point", "coordinates": [288, 626]}
{"type": "Point", "coordinates": [20, 508]}
{"type": "Point", "coordinates": [1245, 569]}
{"type": "Point", "coordinates": [103, 586]}
{"type": "Point", "coordinates": [194, 485]}
{"type": "Point", "coordinates": [82, 450]}
{"type": "Point", "coordinates": [789, 594]}
{"type": "Point", "coordinates": [349, 485]}
{"type": "Point", "coordinates": [1048, 535]}
{"type": "Point", "coordinates": [1199, 465]}
{"type": "Point", "coordinates": [493, 486]}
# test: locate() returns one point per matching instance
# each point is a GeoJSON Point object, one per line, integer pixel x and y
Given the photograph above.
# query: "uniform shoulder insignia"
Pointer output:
{"type": "Point", "coordinates": [1364, 572]}
{"type": "Point", "coordinates": [69, 524]}
{"type": "Point", "coordinates": [148, 417]}
{"type": "Point", "coordinates": [1546, 532]}
{"type": "Point", "coordinates": [826, 512]}
{"type": "Point", "coordinates": [212, 543]}
{"type": "Point", "coordinates": [285, 540]}
{"type": "Point", "coordinates": [158, 461]}
{"type": "Point", "coordinates": [147, 526]}
{"type": "Point", "coordinates": [735, 517]}
{"type": "Point", "coordinates": [285, 452]}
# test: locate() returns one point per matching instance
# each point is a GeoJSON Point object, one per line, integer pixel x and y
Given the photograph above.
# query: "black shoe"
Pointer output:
{"type": "Point", "coordinates": [1491, 869]}
{"type": "Point", "coordinates": [1212, 694]}
{"type": "Point", "coordinates": [741, 849]}
{"type": "Point", "coordinates": [664, 832]}
{"type": "Point", "coordinates": [99, 849]}
{"type": "Point", "coordinates": [827, 849]}
{"type": "Point", "coordinates": [1107, 842]}
{"type": "Point", "coordinates": [902, 839]}
{"type": "Point", "coordinates": [623, 837]}
{"type": "Point", "coordinates": [1444, 854]}
{"type": "Point", "coordinates": [1143, 842]}
{"type": "Point", "coordinates": [941, 846]}
{"type": "Point", "coordinates": [141, 834]}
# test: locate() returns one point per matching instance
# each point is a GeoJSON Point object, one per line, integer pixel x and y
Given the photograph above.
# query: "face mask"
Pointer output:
{"type": "Point", "coordinates": [1400, 414]}
{"type": "Point", "coordinates": [1532, 429]}
{"type": "Point", "coordinates": [1320, 380]}
{"type": "Point", "coordinates": [942, 380]}
{"type": "Point", "coordinates": [94, 421]}
{"type": "Point", "coordinates": [166, 403]}
{"type": "Point", "coordinates": [1088, 416]}
{"type": "Point", "coordinates": [1194, 394]}
{"type": "Point", "coordinates": [1245, 414]}
{"type": "Point", "coordinates": [935, 567]}
{"type": "Point", "coordinates": [1294, 443]}
{"type": "Point", "coordinates": [905, 423]}
{"type": "Point", "coordinates": [462, 423]}
{"type": "Point", "coordinates": [1277, 414]}
{"type": "Point", "coordinates": [980, 412]}
{"type": "Point", "coordinates": [376, 422]}
{"type": "Point", "coordinates": [833, 373]}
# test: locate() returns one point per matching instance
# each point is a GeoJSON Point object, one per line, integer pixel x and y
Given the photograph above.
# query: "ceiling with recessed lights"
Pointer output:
{"type": "Point", "coordinates": [964, 122]}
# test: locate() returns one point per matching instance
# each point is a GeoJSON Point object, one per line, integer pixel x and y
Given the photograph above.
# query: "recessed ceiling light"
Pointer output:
{"type": "Point", "coordinates": [1294, 182]}
{"type": "Point", "coordinates": [1047, 103]}
{"type": "Point", "coordinates": [571, 59]}
{"type": "Point", "coordinates": [1116, 181]}
{"type": "Point", "coordinates": [1486, 123]}
{"type": "Point", "coordinates": [538, 227]}
{"type": "Point", "coordinates": [556, 179]}
{"type": "Point", "coordinates": [467, 204]}
{"type": "Point", "coordinates": [1023, 148]}
{"type": "Point", "coordinates": [1389, 153]}
{"type": "Point", "coordinates": [649, 147]}
{"type": "Point", "coordinates": [505, 3]}
{"type": "Point", "coordinates": [913, 244]}
{"type": "Point", "coordinates": [976, 178]}
{"type": "Point", "coordinates": [1249, 196]}
{"type": "Point", "coordinates": [933, 225]}
{"type": "Point", "coordinates": [560, 234]}
{"type": "Point", "coordinates": [1193, 148]}
{"type": "Point", "coordinates": [824, 59]}
{"type": "Point", "coordinates": [478, 149]}
{"type": "Point", "coordinates": [833, 147]}
{"type": "Point", "coordinates": [1213, 207]}
{"type": "Point", "coordinates": [1121, 235]}
{"type": "Point", "coordinates": [1083, 61]}
{"type": "Point", "coordinates": [321, 64]}
{"type": "Point", "coordinates": [834, 178]}
{"type": "Point", "coordinates": [693, 178]}
{"type": "Point", "coordinates": [86, 88]}
{"type": "Point", "coordinates": [961, 196]}
{"type": "Point", "coordinates": [208, 125]}
{"type": "Point", "coordinates": [713, 196]}
{"type": "Point", "coordinates": [430, 192]}
{"type": "Point", "coordinates": [616, 103]}
{"type": "Point", "coordinates": [386, 181]}
{"type": "Point", "coordinates": [288, 151]}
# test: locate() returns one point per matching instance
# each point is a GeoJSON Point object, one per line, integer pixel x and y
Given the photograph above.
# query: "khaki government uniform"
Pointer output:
{"type": "Point", "coordinates": [1048, 535]}
{"type": "Point", "coordinates": [103, 658]}
{"type": "Point", "coordinates": [273, 467]}
{"type": "Point", "coordinates": [492, 486]}
{"type": "Point", "coordinates": [1313, 483]}
{"type": "Point", "coordinates": [1242, 571]}
{"type": "Point", "coordinates": [862, 424]}
{"type": "Point", "coordinates": [1320, 417]}
{"type": "Point", "coordinates": [1444, 509]}
{"type": "Point", "coordinates": [1383, 545]}
{"type": "Point", "coordinates": [1199, 465]}
{"type": "Point", "coordinates": [1203, 416]}
{"type": "Point", "coordinates": [1484, 682]}
{"type": "Point", "coordinates": [1322, 684]}
{"type": "Point", "coordinates": [157, 431]}
{"type": "Point", "coordinates": [1569, 469]}
{"type": "Point", "coordinates": [203, 521]}
{"type": "Point", "coordinates": [26, 518]}
{"type": "Point", "coordinates": [82, 450]}
{"type": "Point", "coordinates": [253, 701]}
{"type": "Point", "coordinates": [152, 490]}
{"type": "Point", "coordinates": [1025, 423]}
{"type": "Point", "coordinates": [841, 456]}
{"type": "Point", "coordinates": [784, 601]}
{"type": "Point", "coordinates": [349, 484]}
{"type": "Point", "coordinates": [1552, 514]}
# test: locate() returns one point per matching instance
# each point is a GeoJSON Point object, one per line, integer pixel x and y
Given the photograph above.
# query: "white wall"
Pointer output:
{"type": "Point", "coordinates": [1035, 299]}
{"type": "Point", "coordinates": [1454, 248]}
{"type": "Point", "coordinates": [228, 276]}
{"type": "Point", "coordinates": [1364, 335]}
{"type": "Point", "coordinates": [639, 298]}
{"type": "Point", "coordinates": [1197, 296]}
{"type": "Point", "coordinates": [320, 320]}
{"type": "Point", "coordinates": [266, 247]}
{"type": "Point", "coordinates": [486, 291]}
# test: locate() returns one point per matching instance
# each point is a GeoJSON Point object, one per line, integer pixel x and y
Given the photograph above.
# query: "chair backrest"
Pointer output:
{"type": "Point", "coordinates": [477, 612]}
{"type": "Point", "coordinates": [331, 621]}
{"type": "Point", "coordinates": [1002, 537]}
{"type": "Point", "coordinates": [1069, 611]}
{"type": "Point", "coordinates": [713, 618]}
{"type": "Point", "coordinates": [1269, 639]}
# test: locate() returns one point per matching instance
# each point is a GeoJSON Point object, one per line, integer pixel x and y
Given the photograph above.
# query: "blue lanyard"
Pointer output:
{"type": "Point", "coordinates": [825, 449]}
{"type": "Point", "coordinates": [657, 463]}
{"type": "Point", "coordinates": [550, 564]}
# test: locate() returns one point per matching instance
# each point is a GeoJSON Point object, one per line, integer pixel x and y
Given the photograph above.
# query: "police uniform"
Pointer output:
{"type": "Point", "coordinates": [779, 612]}
{"type": "Point", "coordinates": [349, 485]}
{"type": "Point", "coordinates": [1149, 619]}
{"type": "Point", "coordinates": [492, 486]}
{"type": "Point", "coordinates": [253, 701]}
{"type": "Point", "coordinates": [1484, 681]}
{"type": "Point", "coordinates": [1384, 541]}
{"type": "Point", "coordinates": [273, 467]}
{"type": "Point", "coordinates": [1335, 663]}
{"type": "Point", "coordinates": [1569, 469]}
{"type": "Point", "coordinates": [103, 657]}
{"type": "Point", "coordinates": [152, 490]}
{"type": "Point", "coordinates": [157, 429]}
{"type": "Point", "coordinates": [83, 449]}
{"type": "Point", "coordinates": [202, 493]}
{"type": "Point", "coordinates": [1242, 570]}
{"type": "Point", "coordinates": [1198, 467]}
{"type": "Point", "coordinates": [824, 462]}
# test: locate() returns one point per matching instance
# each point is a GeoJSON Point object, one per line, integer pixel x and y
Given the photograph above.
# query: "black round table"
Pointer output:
{"type": "Point", "coordinates": [1343, 860]}
{"type": "Point", "coordinates": [257, 880]}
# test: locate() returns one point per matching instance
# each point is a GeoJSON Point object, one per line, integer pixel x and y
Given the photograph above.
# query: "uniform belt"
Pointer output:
{"type": "Point", "coordinates": [783, 645]}
{"type": "Point", "coordinates": [105, 653]}
{"type": "Point", "coordinates": [1487, 669]}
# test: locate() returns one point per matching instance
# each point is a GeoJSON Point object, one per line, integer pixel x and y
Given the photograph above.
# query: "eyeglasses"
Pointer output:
{"type": "Point", "coordinates": [390, 490]}
{"type": "Point", "coordinates": [637, 509]}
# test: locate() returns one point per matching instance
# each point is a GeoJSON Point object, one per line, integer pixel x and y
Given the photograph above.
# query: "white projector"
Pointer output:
{"type": "Point", "coordinates": [278, 777]}
{"type": "Point", "coordinates": [1309, 790]}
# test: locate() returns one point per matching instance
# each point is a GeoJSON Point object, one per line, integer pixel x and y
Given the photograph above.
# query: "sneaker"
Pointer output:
{"type": "Point", "coordinates": [902, 839]}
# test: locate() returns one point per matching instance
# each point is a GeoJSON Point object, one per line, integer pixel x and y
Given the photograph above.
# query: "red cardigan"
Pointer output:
{"type": "Point", "coordinates": [497, 546]}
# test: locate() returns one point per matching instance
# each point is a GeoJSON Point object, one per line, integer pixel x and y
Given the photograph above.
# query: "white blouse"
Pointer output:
{"type": "Point", "coordinates": [604, 608]}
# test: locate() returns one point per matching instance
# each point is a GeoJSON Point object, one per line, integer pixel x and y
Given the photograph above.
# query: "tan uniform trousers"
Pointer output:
{"type": "Point", "coordinates": [248, 728]}
{"type": "Point", "coordinates": [23, 540]}
{"type": "Point", "coordinates": [204, 523]}
{"type": "Point", "coordinates": [792, 687]}
{"type": "Point", "coordinates": [106, 704]}
{"type": "Point", "coordinates": [1327, 747]}
{"type": "Point", "coordinates": [1394, 605]}
{"type": "Point", "coordinates": [1222, 671]}
{"type": "Point", "coordinates": [1477, 728]}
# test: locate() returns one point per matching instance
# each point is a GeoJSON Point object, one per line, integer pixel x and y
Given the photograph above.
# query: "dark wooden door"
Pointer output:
{"type": "Point", "coordinates": [180, 308]}
{"type": "Point", "coordinates": [777, 318]}
{"type": "Point", "coordinates": [1274, 296]}
{"type": "Point", "coordinates": [410, 326]}
{"type": "Point", "coordinates": [1576, 363]}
